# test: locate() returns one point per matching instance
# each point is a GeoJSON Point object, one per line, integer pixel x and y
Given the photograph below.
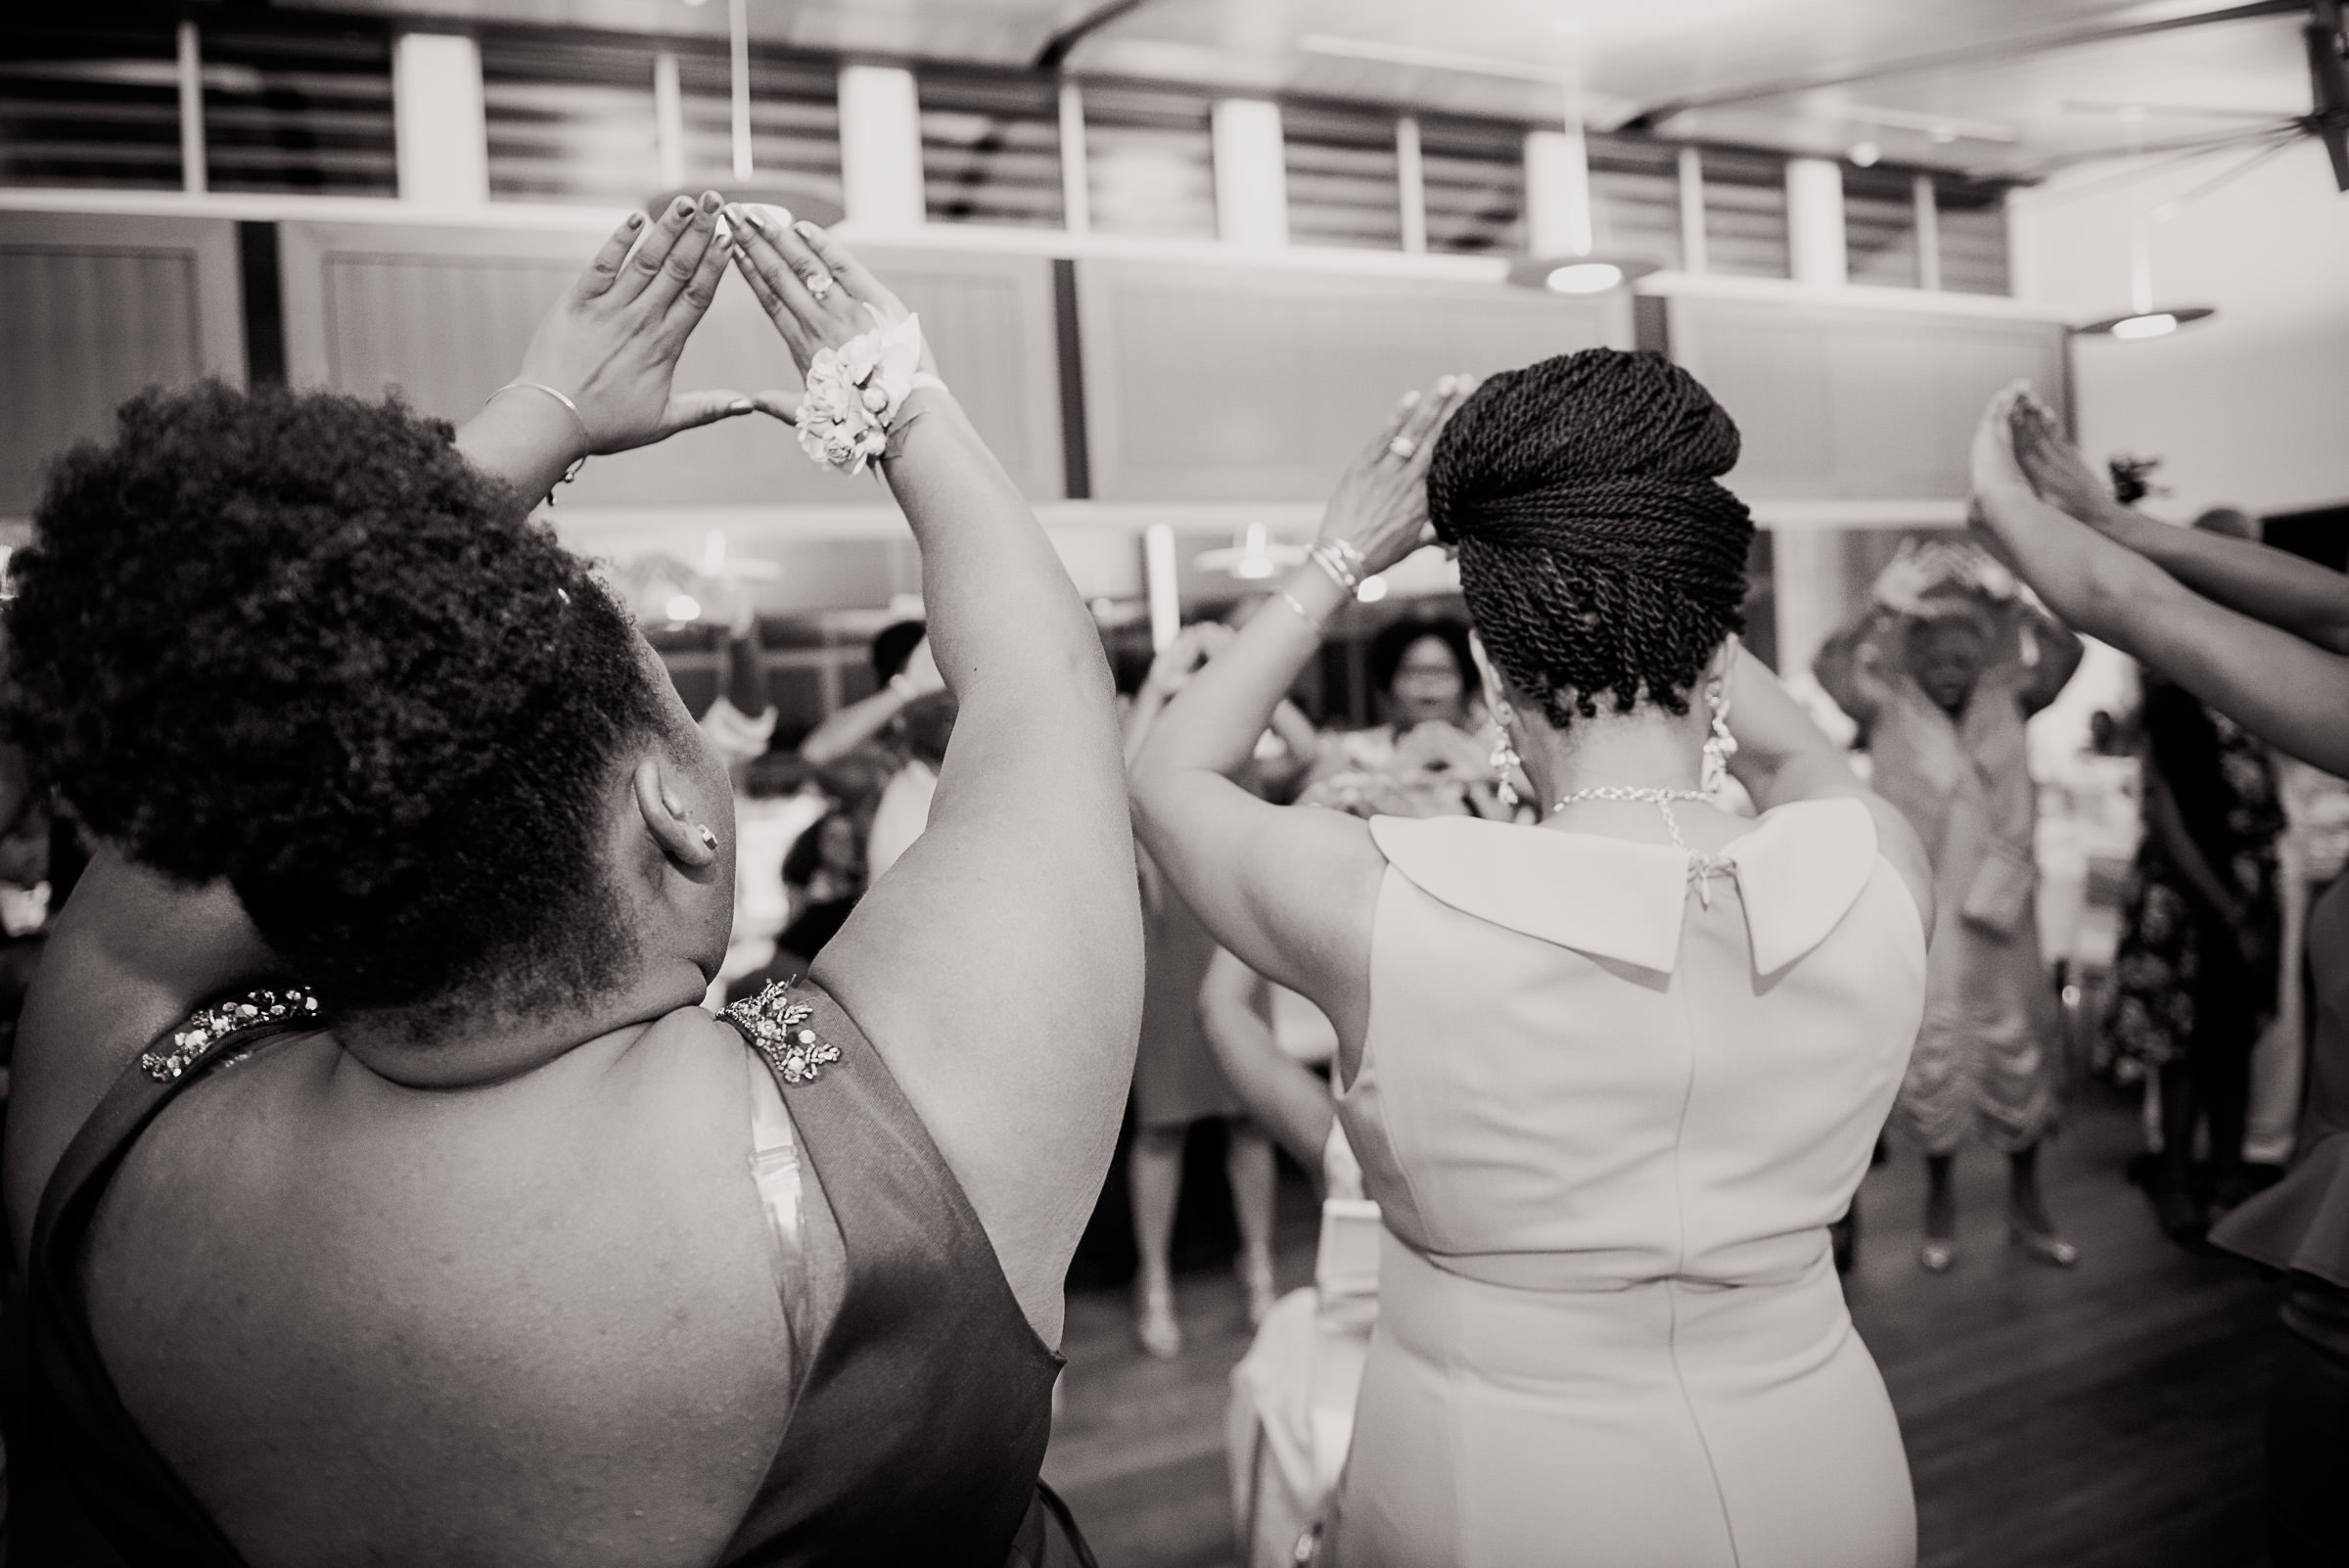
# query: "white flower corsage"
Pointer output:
{"type": "Point", "coordinates": [856, 391]}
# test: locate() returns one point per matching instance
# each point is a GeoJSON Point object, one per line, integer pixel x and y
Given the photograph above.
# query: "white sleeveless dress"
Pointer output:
{"type": "Point", "coordinates": [1607, 1124]}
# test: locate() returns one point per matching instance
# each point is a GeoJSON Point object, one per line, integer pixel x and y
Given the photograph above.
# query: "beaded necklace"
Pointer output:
{"type": "Point", "coordinates": [1702, 868]}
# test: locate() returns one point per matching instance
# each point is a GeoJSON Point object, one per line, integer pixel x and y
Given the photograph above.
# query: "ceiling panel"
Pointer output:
{"type": "Point", "coordinates": [1809, 76]}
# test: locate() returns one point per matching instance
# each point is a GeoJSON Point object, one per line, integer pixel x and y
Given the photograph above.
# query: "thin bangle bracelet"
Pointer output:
{"type": "Point", "coordinates": [587, 436]}
{"type": "Point", "coordinates": [1319, 628]}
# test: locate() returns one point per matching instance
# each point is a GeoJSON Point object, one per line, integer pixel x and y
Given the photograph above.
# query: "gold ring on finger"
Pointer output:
{"type": "Point", "coordinates": [819, 284]}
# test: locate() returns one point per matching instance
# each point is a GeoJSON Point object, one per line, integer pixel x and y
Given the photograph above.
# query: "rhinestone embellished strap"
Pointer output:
{"type": "Point", "coordinates": [216, 1022]}
{"type": "Point", "coordinates": [777, 1029]}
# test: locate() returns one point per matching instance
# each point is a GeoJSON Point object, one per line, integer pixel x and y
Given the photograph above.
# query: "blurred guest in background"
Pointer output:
{"type": "Point", "coordinates": [740, 721]}
{"type": "Point", "coordinates": [1432, 753]}
{"type": "Point", "coordinates": [911, 718]}
{"type": "Point", "coordinates": [901, 811]}
{"type": "Point", "coordinates": [1940, 669]}
{"type": "Point", "coordinates": [1176, 1080]}
{"type": "Point", "coordinates": [902, 671]}
{"type": "Point", "coordinates": [2194, 979]}
{"type": "Point", "coordinates": [2262, 636]}
{"type": "Point", "coordinates": [823, 877]}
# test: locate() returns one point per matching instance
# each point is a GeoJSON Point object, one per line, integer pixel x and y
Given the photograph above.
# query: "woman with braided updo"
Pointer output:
{"type": "Point", "coordinates": [1609, 1077]}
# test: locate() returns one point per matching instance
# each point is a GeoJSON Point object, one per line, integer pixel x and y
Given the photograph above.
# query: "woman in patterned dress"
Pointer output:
{"type": "Point", "coordinates": [2194, 979]}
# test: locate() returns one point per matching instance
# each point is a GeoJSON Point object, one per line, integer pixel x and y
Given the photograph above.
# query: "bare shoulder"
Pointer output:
{"type": "Point", "coordinates": [532, 1322]}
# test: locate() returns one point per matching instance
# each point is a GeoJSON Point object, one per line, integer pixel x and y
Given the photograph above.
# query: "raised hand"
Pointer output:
{"type": "Point", "coordinates": [1381, 504]}
{"type": "Point", "coordinates": [815, 291]}
{"type": "Point", "coordinates": [611, 342]}
{"type": "Point", "coordinates": [2054, 467]}
{"type": "Point", "coordinates": [1180, 660]}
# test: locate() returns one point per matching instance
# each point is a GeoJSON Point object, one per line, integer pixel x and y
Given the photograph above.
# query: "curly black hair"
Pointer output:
{"type": "Point", "coordinates": [1598, 554]}
{"type": "Point", "coordinates": [296, 641]}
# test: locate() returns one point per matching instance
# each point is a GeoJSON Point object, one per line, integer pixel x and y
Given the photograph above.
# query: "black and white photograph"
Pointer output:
{"type": "Point", "coordinates": [1175, 784]}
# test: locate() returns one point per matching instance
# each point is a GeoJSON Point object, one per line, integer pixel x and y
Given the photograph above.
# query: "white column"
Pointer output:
{"type": "Point", "coordinates": [881, 147]}
{"type": "Point", "coordinates": [1928, 233]}
{"type": "Point", "coordinates": [1251, 173]}
{"type": "Point", "coordinates": [1162, 584]}
{"type": "Point", "coordinates": [2022, 265]}
{"type": "Point", "coordinates": [1076, 174]}
{"type": "Point", "coordinates": [738, 71]}
{"type": "Point", "coordinates": [1693, 256]}
{"type": "Point", "coordinates": [1557, 193]}
{"type": "Point", "coordinates": [440, 125]}
{"type": "Point", "coordinates": [1815, 241]}
{"type": "Point", "coordinates": [191, 178]}
{"type": "Point", "coordinates": [1410, 183]}
{"type": "Point", "coordinates": [669, 120]}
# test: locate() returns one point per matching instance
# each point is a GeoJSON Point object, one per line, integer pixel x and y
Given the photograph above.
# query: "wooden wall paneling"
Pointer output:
{"type": "Point", "coordinates": [444, 312]}
{"type": "Point", "coordinates": [95, 307]}
{"type": "Point", "coordinates": [1837, 403]}
{"type": "Point", "coordinates": [1217, 383]}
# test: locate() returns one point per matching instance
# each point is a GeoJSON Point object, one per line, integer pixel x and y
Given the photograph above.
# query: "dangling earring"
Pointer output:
{"type": "Point", "coordinates": [1721, 746]}
{"type": "Point", "coordinates": [1506, 761]}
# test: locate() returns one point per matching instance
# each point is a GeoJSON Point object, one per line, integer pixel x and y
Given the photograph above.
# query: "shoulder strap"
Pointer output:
{"type": "Point", "coordinates": [128, 1490]}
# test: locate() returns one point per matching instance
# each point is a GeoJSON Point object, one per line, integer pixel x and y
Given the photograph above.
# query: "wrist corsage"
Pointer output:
{"type": "Point", "coordinates": [856, 392]}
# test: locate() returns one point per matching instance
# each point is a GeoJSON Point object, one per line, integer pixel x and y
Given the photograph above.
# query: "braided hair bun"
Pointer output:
{"type": "Point", "coordinates": [1599, 556]}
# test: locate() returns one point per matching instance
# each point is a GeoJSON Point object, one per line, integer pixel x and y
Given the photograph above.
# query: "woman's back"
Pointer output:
{"type": "Point", "coordinates": [1581, 1073]}
{"type": "Point", "coordinates": [1608, 1111]}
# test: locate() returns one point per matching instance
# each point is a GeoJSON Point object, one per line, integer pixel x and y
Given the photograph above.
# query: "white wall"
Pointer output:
{"type": "Point", "coordinates": [2251, 407]}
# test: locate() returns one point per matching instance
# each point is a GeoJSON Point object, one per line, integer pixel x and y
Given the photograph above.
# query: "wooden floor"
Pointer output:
{"type": "Point", "coordinates": [2095, 1418]}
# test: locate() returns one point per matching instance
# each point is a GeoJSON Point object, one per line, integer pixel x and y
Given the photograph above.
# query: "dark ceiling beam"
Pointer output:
{"type": "Point", "coordinates": [1966, 55]}
{"type": "Point", "coordinates": [1055, 51]}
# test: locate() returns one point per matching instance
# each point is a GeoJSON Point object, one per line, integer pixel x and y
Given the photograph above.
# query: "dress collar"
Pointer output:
{"type": "Point", "coordinates": [1798, 872]}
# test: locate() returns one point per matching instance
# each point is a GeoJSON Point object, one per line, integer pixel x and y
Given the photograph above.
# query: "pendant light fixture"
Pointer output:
{"type": "Point", "coordinates": [2143, 319]}
{"type": "Point", "coordinates": [1568, 262]}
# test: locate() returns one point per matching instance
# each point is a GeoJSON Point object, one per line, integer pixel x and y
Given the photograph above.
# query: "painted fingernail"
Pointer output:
{"type": "Point", "coordinates": [685, 207]}
{"type": "Point", "coordinates": [636, 220]}
{"type": "Point", "coordinates": [711, 201]}
{"type": "Point", "coordinates": [740, 405]}
{"type": "Point", "coordinates": [807, 230]}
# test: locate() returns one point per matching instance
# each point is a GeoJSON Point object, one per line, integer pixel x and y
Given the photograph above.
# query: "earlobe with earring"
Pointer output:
{"type": "Point", "coordinates": [1721, 745]}
{"type": "Point", "coordinates": [1506, 761]}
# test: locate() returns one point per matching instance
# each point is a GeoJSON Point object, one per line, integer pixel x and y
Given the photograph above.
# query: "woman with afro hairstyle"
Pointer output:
{"type": "Point", "coordinates": [379, 1191]}
{"type": "Point", "coordinates": [1609, 1077]}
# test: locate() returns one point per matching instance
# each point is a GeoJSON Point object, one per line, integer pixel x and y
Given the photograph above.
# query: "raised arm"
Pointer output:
{"type": "Point", "coordinates": [998, 965]}
{"type": "Point", "coordinates": [2288, 691]}
{"type": "Point", "coordinates": [1850, 666]}
{"type": "Point", "coordinates": [860, 721]}
{"type": "Point", "coordinates": [1290, 889]}
{"type": "Point", "coordinates": [2288, 593]}
{"type": "Point", "coordinates": [2059, 652]}
{"type": "Point", "coordinates": [610, 345]}
{"type": "Point", "coordinates": [1283, 1098]}
{"type": "Point", "coordinates": [1782, 757]}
